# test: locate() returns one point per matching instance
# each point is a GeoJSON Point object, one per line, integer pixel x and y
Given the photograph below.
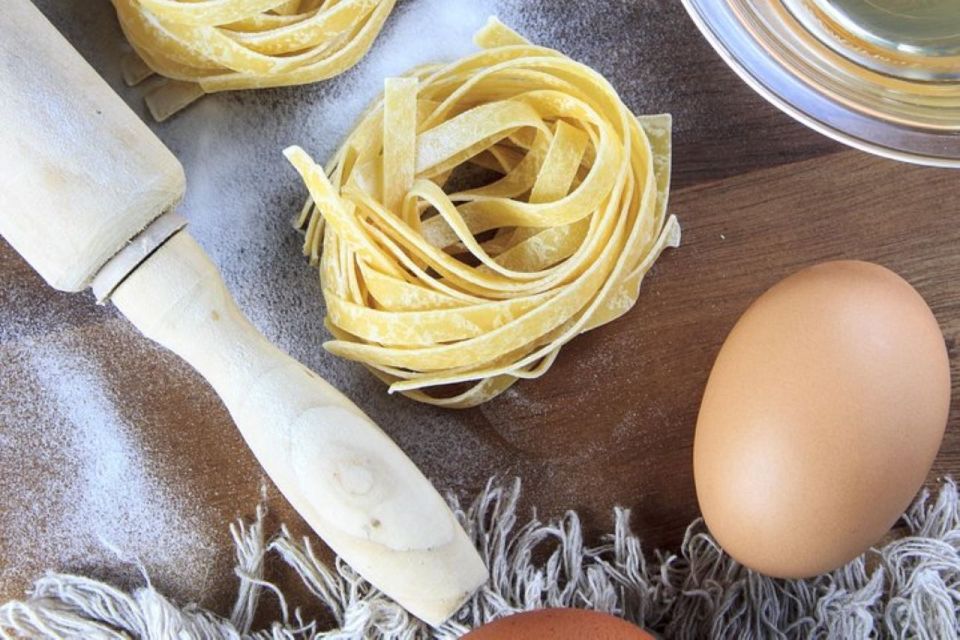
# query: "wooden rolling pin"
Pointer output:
{"type": "Point", "coordinates": [86, 196]}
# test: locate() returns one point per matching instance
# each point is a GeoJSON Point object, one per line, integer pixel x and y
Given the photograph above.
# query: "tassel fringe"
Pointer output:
{"type": "Point", "coordinates": [909, 587]}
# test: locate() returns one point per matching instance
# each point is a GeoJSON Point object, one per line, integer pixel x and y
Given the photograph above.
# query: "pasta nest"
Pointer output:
{"type": "Point", "coordinates": [218, 45]}
{"type": "Point", "coordinates": [449, 292]}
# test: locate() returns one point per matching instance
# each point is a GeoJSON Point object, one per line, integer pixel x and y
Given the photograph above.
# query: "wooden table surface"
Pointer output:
{"type": "Point", "coordinates": [758, 196]}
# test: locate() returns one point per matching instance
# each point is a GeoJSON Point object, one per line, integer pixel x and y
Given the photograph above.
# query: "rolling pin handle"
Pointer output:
{"type": "Point", "coordinates": [342, 473]}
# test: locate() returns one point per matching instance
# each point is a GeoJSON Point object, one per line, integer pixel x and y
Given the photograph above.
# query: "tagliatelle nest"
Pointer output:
{"type": "Point", "coordinates": [218, 45]}
{"type": "Point", "coordinates": [429, 284]}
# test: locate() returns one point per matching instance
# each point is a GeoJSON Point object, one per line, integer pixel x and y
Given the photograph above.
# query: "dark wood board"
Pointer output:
{"type": "Point", "coordinates": [617, 411]}
{"type": "Point", "coordinates": [758, 197]}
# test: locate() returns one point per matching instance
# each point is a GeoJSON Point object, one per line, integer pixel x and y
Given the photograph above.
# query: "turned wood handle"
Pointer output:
{"type": "Point", "coordinates": [344, 475]}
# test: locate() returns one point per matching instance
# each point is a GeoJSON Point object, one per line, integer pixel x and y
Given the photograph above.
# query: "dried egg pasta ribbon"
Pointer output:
{"type": "Point", "coordinates": [202, 46]}
{"type": "Point", "coordinates": [431, 282]}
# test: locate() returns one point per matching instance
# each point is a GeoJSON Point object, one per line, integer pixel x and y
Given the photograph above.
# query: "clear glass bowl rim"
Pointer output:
{"type": "Point", "coordinates": [799, 98]}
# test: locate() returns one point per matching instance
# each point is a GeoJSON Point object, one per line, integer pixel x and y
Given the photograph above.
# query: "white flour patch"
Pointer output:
{"type": "Point", "coordinates": [99, 507]}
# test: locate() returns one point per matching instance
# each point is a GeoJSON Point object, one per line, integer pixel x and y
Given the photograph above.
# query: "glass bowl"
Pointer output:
{"type": "Point", "coordinates": [879, 75]}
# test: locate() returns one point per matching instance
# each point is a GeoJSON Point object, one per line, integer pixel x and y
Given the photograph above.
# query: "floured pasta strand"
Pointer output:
{"type": "Point", "coordinates": [218, 45]}
{"type": "Point", "coordinates": [448, 291]}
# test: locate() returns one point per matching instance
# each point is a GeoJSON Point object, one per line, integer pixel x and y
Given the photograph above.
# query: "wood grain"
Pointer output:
{"type": "Point", "coordinates": [620, 404]}
{"type": "Point", "coordinates": [758, 197]}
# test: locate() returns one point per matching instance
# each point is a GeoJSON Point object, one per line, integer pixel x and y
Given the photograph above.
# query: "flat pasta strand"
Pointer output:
{"type": "Point", "coordinates": [218, 45]}
{"type": "Point", "coordinates": [481, 215]}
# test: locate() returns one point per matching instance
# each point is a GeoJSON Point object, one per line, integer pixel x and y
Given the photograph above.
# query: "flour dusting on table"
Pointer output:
{"type": "Point", "coordinates": [107, 498]}
{"type": "Point", "coordinates": [100, 504]}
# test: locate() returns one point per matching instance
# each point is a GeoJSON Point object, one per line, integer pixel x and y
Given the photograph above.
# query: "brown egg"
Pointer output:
{"type": "Point", "coordinates": [559, 624]}
{"type": "Point", "coordinates": [821, 418]}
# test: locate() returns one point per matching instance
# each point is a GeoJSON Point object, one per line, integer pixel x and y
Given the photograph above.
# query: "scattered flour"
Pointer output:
{"type": "Point", "coordinates": [102, 493]}
{"type": "Point", "coordinates": [96, 499]}
{"type": "Point", "coordinates": [91, 502]}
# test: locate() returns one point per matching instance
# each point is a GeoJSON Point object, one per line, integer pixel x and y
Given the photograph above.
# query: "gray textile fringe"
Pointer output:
{"type": "Point", "coordinates": [911, 589]}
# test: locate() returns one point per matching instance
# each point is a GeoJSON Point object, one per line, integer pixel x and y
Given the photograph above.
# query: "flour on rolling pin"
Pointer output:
{"type": "Point", "coordinates": [106, 193]}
